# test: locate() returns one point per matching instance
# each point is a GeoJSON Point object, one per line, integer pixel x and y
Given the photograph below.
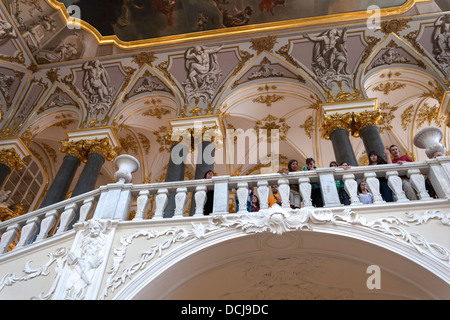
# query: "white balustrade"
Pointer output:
{"type": "Point", "coordinates": [91, 204]}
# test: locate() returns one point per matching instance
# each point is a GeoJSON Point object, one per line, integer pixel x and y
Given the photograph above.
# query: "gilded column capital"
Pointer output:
{"type": "Point", "coordinates": [84, 147]}
{"type": "Point", "coordinates": [335, 121]}
{"type": "Point", "coordinates": [364, 119]}
{"type": "Point", "coordinates": [101, 147]}
{"type": "Point", "coordinates": [11, 158]}
{"type": "Point", "coordinates": [75, 149]}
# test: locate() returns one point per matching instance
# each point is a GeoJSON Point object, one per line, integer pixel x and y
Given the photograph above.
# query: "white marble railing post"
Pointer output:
{"type": "Point", "coordinates": [8, 237]}
{"type": "Point", "coordinates": [47, 224]}
{"type": "Point", "coordinates": [395, 183]}
{"type": "Point", "coordinates": [351, 187]}
{"type": "Point", "coordinates": [200, 200]}
{"type": "Point", "coordinates": [161, 203]}
{"type": "Point", "coordinates": [114, 202]}
{"type": "Point", "coordinates": [142, 202]}
{"type": "Point", "coordinates": [328, 188]}
{"type": "Point", "coordinates": [373, 184]}
{"type": "Point", "coordinates": [284, 190]}
{"type": "Point", "coordinates": [220, 204]}
{"type": "Point", "coordinates": [180, 202]}
{"type": "Point", "coordinates": [418, 182]}
{"type": "Point", "coordinates": [439, 178]}
{"type": "Point", "coordinates": [66, 217]}
{"type": "Point", "coordinates": [27, 231]}
{"type": "Point", "coordinates": [305, 191]}
{"type": "Point", "coordinates": [242, 195]}
{"type": "Point", "coordinates": [263, 193]}
{"type": "Point", "coordinates": [86, 209]}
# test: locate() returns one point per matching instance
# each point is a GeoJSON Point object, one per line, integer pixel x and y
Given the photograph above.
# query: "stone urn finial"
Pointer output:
{"type": "Point", "coordinates": [429, 138]}
{"type": "Point", "coordinates": [127, 165]}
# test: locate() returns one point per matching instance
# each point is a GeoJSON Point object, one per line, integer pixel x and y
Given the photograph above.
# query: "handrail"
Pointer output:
{"type": "Point", "coordinates": [44, 219]}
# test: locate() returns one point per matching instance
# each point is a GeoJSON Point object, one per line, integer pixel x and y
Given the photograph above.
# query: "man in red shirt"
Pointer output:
{"type": "Point", "coordinates": [406, 184]}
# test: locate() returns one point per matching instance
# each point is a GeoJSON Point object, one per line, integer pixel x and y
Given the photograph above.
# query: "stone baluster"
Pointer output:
{"type": "Point", "coordinates": [27, 231]}
{"type": "Point", "coordinates": [200, 200]}
{"type": "Point", "coordinates": [180, 202]}
{"type": "Point", "coordinates": [66, 217]}
{"type": "Point", "coordinates": [395, 183]}
{"type": "Point", "coordinates": [142, 204]}
{"type": "Point", "coordinates": [373, 184]}
{"type": "Point", "coordinates": [351, 187]}
{"type": "Point", "coordinates": [284, 189]}
{"type": "Point", "coordinates": [161, 203]}
{"type": "Point", "coordinates": [47, 224]}
{"type": "Point", "coordinates": [305, 191]}
{"type": "Point", "coordinates": [263, 193]}
{"type": "Point", "coordinates": [8, 237]}
{"type": "Point", "coordinates": [418, 182]}
{"type": "Point", "coordinates": [242, 195]}
{"type": "Point", "coordinates": [86, 209]}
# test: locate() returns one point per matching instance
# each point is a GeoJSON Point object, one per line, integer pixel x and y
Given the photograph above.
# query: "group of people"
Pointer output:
{"type": "Point", "coordinates": [390, 156]}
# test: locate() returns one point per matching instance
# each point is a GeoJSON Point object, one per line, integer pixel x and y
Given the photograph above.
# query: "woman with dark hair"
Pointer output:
{"type": "Point", "coordinates": [255, 204]}
{"type": "Point", "coordinates": [375, 159]}
{"type": "Point", "coordinates": [209, 195]}
{"type": "Point", "coordinates": [294, 195]}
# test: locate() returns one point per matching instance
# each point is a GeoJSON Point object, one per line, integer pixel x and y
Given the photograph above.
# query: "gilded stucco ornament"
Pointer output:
{"type": "Point", "coordinates": [332, 122]}
{"type": "Point", "coordinates": [441, 42]}
{"type": "Point", "coordinates": [82, 148]}
{"type": "Point", "coordinates": [364, 119]}
{"type": "Point", "coordinates": [11, 158]}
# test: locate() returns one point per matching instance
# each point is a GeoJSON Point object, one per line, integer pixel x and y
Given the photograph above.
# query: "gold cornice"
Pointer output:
{"type": "Point", "coordinates": [246, 30]}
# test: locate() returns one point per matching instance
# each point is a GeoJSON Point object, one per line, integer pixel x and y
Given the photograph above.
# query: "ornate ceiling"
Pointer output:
{"type": "Point", "coordinates": [267, 76]}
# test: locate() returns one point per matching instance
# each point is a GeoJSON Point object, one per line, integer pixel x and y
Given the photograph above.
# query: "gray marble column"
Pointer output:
{"type": "Point", "coordinates": [4, 173]}
{"type": "Point", "coordinates": [342, 147]}
{"type": "Point", "coordinates": [175, 172]}
{"type": "Point", "coordinates": [60, 185]}
{"type": "Point", "coordinates": [371, 138]}
{"type": "Point", "coordinates": [88, 179]}
{"type": "Point", "coordinates": [203, 163]}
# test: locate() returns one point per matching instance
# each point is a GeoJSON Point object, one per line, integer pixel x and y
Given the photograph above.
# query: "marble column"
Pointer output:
{"type": "Point", "coordinates": [66, 172]}
{"type": "Point", "coordinates": [336, 129]}
{"type": "Point", "coordinates": [97, 150]}
{"type": "Point", "coordinates": [175, 172]}
{"type": "Point", "coordinates": [365, 126]}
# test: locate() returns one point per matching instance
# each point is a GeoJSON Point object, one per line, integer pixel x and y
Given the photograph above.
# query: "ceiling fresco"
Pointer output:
{"type": "Point", "coordinates": [132, 20]}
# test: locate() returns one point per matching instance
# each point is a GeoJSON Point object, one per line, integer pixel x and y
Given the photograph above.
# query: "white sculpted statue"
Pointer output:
{"type": "Point", "coordinates": [6, 31]}
{"type": "Point", "coordinates": [96, 84]}
{"type": "Point", "coordinates": [203, 72]}
{"type": "Point", "coordinates": [330, 61]}
{"type": "Point", "coordinates": [441, 41]}
{"type": "Point", "coordinates": [83, 265]}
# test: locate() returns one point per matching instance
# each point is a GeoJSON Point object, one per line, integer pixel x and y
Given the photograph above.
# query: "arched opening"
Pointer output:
{"type": "Point", "coordinates": [334, 263]}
